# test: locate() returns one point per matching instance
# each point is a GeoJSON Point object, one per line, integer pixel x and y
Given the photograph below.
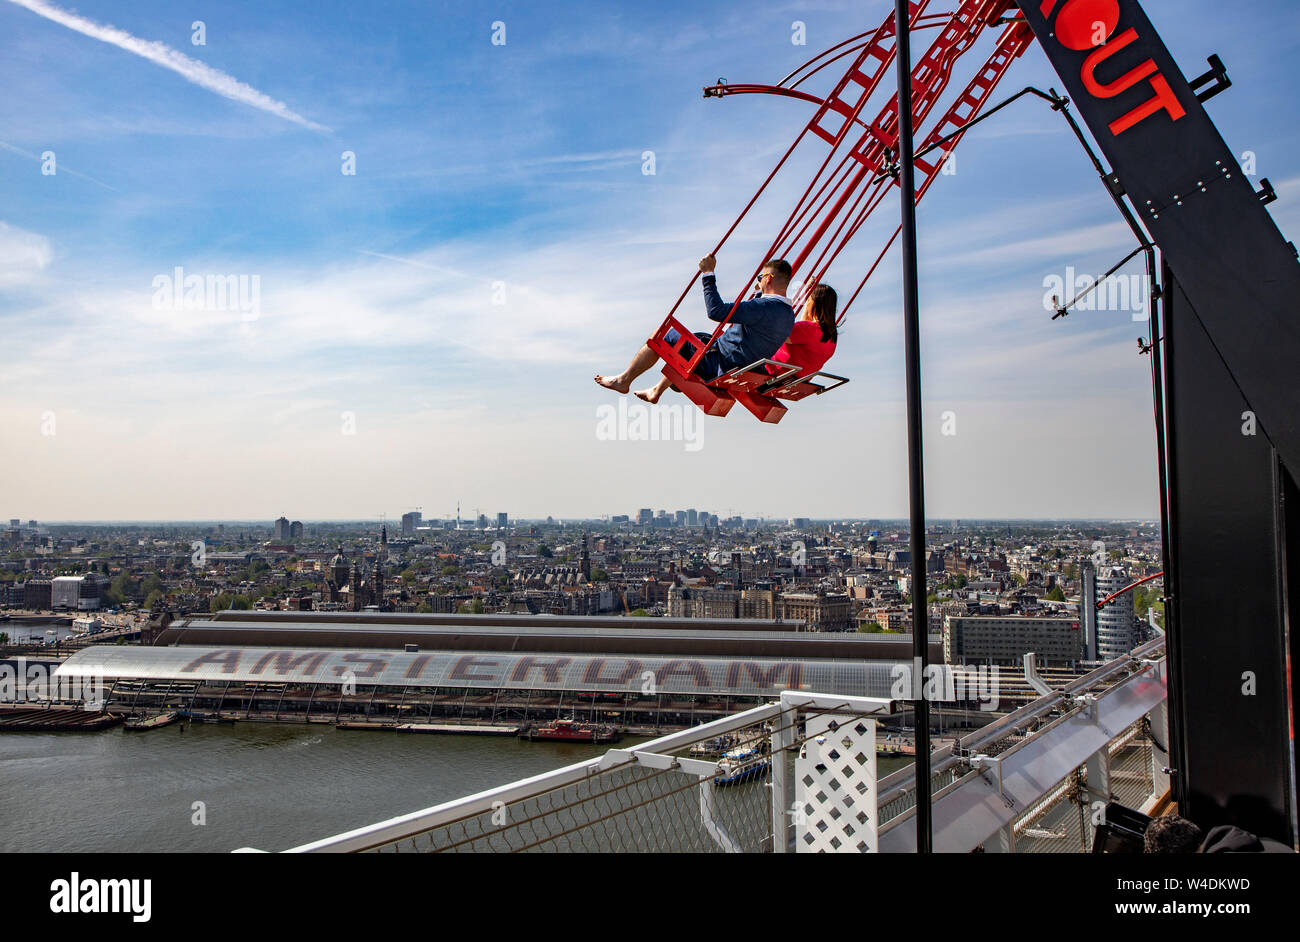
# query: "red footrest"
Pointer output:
{"type": "Point", "coordinates": [765, 408]}
{"type": "Point", "coordinates": [711, 401]}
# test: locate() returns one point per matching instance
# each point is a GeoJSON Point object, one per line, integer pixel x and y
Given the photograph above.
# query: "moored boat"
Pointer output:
{"type": "Point", "coordinates": [157, 721]}
{"type": "Point", "coordinates": [740, 765]}
{"type": "Point", "coordinates": [570, 731]}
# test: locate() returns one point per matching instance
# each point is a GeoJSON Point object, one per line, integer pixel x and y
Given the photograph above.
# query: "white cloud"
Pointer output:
{"type": "Point", "coordinates": [192, 70]}
{"type": "Point", "coordinates": [23, 255]}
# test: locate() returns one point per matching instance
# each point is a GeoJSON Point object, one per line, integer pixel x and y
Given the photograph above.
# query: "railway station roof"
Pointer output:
{"type": "Point", "coordinates": [718, 676]}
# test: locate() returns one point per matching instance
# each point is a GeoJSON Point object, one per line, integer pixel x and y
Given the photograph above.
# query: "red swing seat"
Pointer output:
{"type": "Point", "coordinates": [752, 386]}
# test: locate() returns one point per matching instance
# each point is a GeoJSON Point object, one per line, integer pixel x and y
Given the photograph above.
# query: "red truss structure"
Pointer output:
{"type": "Point", "coordinates": [856, 175]}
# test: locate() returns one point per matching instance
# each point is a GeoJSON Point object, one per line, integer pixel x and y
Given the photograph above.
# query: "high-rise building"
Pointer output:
{"type": "Point", "coordinates": [503, 521]}
{"type": "Point", "coordinates": [410, 521]}
{"type": "Point", "coordinates": [1088, 609]}
{"type": "Point", "coordinates": [645, 515]}
{"type": "Point", "coordinates": [295, 530]}
{"type": "Point", "coordinates": [1116, 630]}
{"type": "Point", "coordinates": [680, 518]}
{"type": "Point", "coordinates": [280, 529]}
{"type": "Point", "coordinates": [692, 517]}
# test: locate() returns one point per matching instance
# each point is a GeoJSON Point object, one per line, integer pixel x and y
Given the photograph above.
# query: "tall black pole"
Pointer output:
{"type": "Point", "coordinates": [915, 465]}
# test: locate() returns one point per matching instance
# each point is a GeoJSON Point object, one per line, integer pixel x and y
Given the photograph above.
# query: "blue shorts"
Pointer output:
{"type": "Point", "coordinates": [710, 365]}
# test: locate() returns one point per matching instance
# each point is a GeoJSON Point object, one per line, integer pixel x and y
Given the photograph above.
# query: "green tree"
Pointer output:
{"type": "Point", "coordinates": [544, 551]}
{"type": "Point", "coordinates": [122, 588]}
{"type": "Point", "coordinates": [599, 575]}
{"type": "Point", "coordinates": [639, 613]}
{"type": "Point", "coordinates": [154, 598]}
{"type": "Point", "coordinates": [471, 608]}
{"type": "Point", "coordinates": [1056, 595]}
{"type": "Point", "coordinates": [4, 637]}
{"type": "Point", "coordinates": [870, 628]}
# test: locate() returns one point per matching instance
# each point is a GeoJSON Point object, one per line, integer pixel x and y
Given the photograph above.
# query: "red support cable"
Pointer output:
{"type": "Point", "coordinates": [835, 205]}
{"type": "Point", "coordinates": [1114, 595]}
{"type": "Point", "coordinates": [1011, 45]}
{"type": "Point", "coordinates": [883, 56]}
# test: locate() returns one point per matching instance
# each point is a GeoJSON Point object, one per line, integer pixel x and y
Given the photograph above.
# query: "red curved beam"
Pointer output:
{"type": "Point", "coordinates": [1110, 598]}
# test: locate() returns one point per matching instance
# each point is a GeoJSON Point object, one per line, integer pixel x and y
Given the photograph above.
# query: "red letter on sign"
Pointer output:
{"type": "Point", "coordinates": [1165, 100]}
{"type": "Point", "coordinates": [1122, 84]}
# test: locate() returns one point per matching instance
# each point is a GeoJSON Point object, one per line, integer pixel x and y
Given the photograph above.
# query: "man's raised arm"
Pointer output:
{"type": "Point", "coordinates": [717, 308]}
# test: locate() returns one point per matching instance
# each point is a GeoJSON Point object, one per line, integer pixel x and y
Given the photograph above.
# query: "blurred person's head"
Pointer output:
{"type": "Point", "coordinates": [1172, 834]}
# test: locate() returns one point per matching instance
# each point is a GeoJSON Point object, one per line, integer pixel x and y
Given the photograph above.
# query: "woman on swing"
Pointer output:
{"type": "Point", "coordinates": [813, 338]}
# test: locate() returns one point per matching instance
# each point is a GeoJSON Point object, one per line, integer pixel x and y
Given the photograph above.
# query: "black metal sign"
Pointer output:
{"type": "Point", "coordinates": [1240, 275]}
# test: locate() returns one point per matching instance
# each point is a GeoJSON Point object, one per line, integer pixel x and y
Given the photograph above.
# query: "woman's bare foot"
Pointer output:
{"type": "Point", "coordinates": [616, 383]}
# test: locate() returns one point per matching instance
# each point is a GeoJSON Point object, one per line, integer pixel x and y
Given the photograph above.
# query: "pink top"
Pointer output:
{"type": "Point", "coordinates": [804, 349]}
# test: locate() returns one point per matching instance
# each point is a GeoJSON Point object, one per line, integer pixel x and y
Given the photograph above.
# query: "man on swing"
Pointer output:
{"type": "Point", "coordinates": [760, 326]}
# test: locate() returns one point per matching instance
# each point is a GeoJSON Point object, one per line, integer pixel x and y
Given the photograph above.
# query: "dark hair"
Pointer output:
{"type": "Point", "coordinates": [1171, 834]}
{"type": "Point", "coordinates": [823, 311]}
{"type": "Point", "coordinates": [780, 269]}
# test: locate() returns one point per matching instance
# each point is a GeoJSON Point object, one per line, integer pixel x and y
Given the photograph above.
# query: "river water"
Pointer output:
{"type": "Point", "coordinates": [268, 786]}
{"type": "Point", "coordinates": [262, 785]}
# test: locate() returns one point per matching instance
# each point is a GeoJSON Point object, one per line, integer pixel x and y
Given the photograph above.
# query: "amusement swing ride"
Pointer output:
{"type": "Point", "coordinates": [859, 170]}
{"type": "Point", "coordinates": [1223, 341]}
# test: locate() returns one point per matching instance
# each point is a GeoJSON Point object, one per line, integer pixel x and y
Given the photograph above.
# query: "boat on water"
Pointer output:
{"type": "Point", "coordinates": [157, 721]}
{"type": "Point", "coordinates": [207, 718]}
{"type": "Point", "coordinates": [741, 765]}
{"type": "Point", "coordinates": [570, 731]}
{"type": "Point", "coordinates": [717, 746]}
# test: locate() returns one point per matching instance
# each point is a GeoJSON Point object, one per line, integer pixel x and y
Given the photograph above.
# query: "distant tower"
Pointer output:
{"type": "Point", "coordinates": [378, 580]}
{"type": "Point", "coordinates": [339, 569]}
{"type": "Point", "coordinates": [383, 537]}
{"type": "Point", "coordinates": [354, 596]}
{"type": "Point", "coordinates": [586, 560]}
{"type": "Point", "coordinates": [1088, 609]}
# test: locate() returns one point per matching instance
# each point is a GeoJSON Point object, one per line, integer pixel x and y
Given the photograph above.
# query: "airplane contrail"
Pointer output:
{"type": "Point", "coordinates": [192, 70]}
{"type": "Point", "coordinates": [63, 168]}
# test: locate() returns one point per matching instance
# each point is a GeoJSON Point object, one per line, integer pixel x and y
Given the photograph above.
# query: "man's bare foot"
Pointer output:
{"type": "Point", "coordinates": [616, 383]}
{"type": "Point", "coordinates": [650, 395]}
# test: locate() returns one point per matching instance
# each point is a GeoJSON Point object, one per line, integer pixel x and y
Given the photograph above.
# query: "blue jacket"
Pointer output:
{"type": "Point", "coordinates": [757, 331]}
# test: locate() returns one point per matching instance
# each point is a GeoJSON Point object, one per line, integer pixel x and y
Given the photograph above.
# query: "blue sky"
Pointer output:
{"type": "Point", "coordinates": [514, 173]}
